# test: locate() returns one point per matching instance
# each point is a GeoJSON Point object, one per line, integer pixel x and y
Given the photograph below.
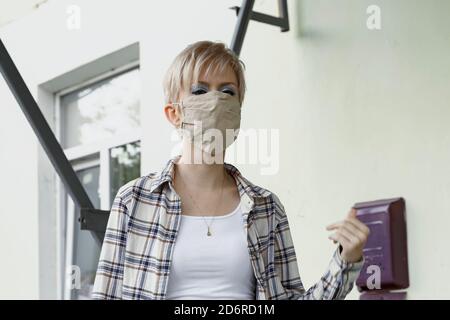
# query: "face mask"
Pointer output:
{"type": "Point", "coordinates": [211, 120]}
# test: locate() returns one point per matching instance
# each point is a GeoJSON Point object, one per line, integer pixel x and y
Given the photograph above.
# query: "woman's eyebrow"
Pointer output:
{"type": "Point", "coordinates": [221, 85]}
{"type": "Point", "coordinates": [202, 82]}
{"type": "Point", "coordinates": [228, 83]}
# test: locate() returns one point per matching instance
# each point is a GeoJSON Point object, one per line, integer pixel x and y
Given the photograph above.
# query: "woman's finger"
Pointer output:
{"type": "Point", "coordinates": [353, 230]}
{"type": "Point", "coordinates": [350, 236]}
{"type": "Point", "coordinates": [335, 225]}
{"type": "Point", "coordinates": [352, 213]}
{"type": "Point", "coordinates": [338, 238]}
{"type": "Point", "coordinates": [360, 225]}
{"type": "Point", "coordinates": [350, 227]}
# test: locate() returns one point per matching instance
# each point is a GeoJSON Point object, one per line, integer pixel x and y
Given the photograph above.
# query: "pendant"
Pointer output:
{"type": "Point", "coordinates": [209, 232]}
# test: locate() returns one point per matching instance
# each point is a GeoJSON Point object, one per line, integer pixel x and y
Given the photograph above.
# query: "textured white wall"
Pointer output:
{"type": "Point", "coordinates": [13, 9]}
{"type": "Point", "coordinates": [19, 202]}
{"type": "Point", "coordinates": [361, 114]}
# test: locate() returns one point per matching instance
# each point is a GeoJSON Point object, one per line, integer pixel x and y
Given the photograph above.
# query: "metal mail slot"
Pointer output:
{"type": "Point", "coordinates": [385, 253]}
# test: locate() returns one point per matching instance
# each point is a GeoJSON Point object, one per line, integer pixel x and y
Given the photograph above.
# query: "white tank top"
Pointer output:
{"type": "Point", "coordinates": [211, 267]}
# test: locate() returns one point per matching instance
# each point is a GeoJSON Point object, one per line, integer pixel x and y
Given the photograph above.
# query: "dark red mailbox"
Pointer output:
{"type": "Point", "coordinates": [385, 252]}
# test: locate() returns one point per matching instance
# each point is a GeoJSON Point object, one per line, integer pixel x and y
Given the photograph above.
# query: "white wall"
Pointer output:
{"type": "Point", "coordinates": [13, 9]}
{"type": "Point", "coordinates": [19, 202]}
{"type": "Point", "coordinates": [361, 114]}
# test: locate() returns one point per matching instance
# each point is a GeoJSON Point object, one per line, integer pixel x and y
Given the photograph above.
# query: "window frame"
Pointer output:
{"type": "Point", "coordinates": [88, 155]}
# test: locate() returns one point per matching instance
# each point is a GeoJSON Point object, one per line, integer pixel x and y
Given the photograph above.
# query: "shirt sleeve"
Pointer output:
{"type": "Point", "coordinates": [336, 282]}
{"type": "Point", "coordinates": [109, 275]}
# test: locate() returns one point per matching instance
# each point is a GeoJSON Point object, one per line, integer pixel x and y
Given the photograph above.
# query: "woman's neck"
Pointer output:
{"type": "Point", "coordinates": [200, 176]}
{"type": "Point", "coordinates": [200, 170]}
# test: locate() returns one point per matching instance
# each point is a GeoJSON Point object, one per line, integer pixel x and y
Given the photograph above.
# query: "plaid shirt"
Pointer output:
{"type": "Point", "coordinates": [142, 229]}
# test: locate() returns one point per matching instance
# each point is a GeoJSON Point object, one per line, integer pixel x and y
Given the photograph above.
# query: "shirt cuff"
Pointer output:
{"type": "Point", "coordinates": [345, 265]}
{"type": "Point", "coordinates": [338, 266]}
{"type": "Point", "coordinates": [345, 273]}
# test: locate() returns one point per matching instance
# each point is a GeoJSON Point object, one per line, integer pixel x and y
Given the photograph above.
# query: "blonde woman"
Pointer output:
{"type": "Point", "coordinates": [198, 229]}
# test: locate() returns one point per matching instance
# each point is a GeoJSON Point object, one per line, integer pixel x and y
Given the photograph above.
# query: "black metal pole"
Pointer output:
{"type": "Point", "coordinates": [241, 26]}
{"type": "Point", "coordinates": [283, 12]}
{"type": "Point", "coordinates": [42, 130]}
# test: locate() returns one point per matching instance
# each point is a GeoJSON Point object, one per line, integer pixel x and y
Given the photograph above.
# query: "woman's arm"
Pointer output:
{"type": "Point", "coordinates": [109, 276]}
{"type": "Point", "coordinates": [336, 282]}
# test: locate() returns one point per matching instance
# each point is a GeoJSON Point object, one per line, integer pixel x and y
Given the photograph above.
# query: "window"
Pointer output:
{"type": "Point", "coordinates": [98, 125]}
{"type": "Point", "coordinates": [101, 110]}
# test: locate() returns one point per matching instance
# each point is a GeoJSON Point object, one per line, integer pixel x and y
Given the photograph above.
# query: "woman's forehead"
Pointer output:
{"type": "Point", "coordinates": [219, 77]}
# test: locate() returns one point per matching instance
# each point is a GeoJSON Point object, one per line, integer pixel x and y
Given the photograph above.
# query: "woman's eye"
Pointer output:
{"type": "Point", "coordinates": [229, 91]}
{"type": "Point", "coordinates": [198, 91]}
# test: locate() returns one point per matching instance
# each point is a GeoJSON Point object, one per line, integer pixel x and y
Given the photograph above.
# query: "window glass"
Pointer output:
{"type": "Point", "coordinates": [96, 112]}
{"type": "Point", "coordinates": [125, 163]}
{"type": "Point", "coordinates": [101, 110]}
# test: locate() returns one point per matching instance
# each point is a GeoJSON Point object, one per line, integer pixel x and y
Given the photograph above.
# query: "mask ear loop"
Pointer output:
{"type": "Point", "coordinates": [182, 128]}
{"type": "Point", "coordinates": [180, 108]}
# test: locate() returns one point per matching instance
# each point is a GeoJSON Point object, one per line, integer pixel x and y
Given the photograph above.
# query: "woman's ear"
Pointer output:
{"type": "Point", "coordinates": [172, 114]}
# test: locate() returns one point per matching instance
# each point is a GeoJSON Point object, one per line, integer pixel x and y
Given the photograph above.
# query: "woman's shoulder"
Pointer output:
{"type": "Point", "coordinates": [143, 183]}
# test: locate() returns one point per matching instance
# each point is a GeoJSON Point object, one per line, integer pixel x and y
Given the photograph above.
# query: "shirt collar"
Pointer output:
{"type": "Point", "coordinates": [245, 187]}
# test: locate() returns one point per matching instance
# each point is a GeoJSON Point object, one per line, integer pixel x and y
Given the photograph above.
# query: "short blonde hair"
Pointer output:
{"type": "Point", "coordinates": [207, 56]}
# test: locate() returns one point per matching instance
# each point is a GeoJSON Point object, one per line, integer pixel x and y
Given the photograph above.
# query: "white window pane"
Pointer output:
{"type": "Point", "coordinates": [125, 165]}
{"type": "Point", "coordinates": [101, 110]}
{"type": "Point", "coordinates": [90, 180]}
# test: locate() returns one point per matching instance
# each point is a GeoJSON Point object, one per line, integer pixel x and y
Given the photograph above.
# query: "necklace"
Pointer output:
{"type": "Point", "coordinates": [208, 233]}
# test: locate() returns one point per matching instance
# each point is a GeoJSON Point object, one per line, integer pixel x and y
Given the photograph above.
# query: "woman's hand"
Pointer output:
{"type": "Point", "coordinates": [352, 236]}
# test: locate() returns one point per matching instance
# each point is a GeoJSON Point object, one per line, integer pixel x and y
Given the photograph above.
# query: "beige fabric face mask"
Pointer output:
{"type": "Point", "coordinates": [211, 120]}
